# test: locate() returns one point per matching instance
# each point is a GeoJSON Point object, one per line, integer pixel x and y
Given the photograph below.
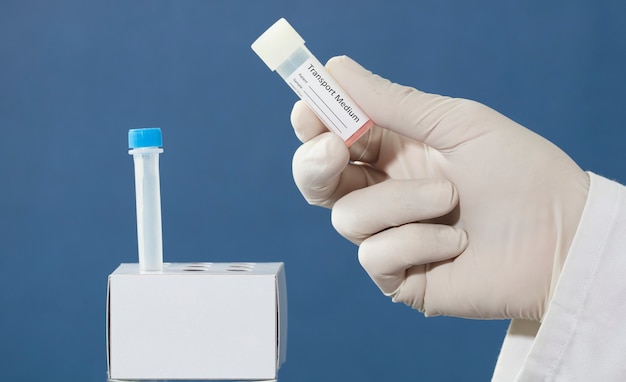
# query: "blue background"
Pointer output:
{"type": "Point", "coordinates": [76, 75]}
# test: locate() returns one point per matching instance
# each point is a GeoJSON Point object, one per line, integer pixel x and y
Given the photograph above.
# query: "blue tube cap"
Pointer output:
{"type": "Point", "coordinates": [147, 137]}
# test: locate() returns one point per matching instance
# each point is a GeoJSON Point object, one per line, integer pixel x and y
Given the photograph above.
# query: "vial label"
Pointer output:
{"type": "Point", "coordinates": [327, 99]}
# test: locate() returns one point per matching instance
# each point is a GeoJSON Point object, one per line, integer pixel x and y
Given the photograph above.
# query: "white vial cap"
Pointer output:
{"type": "Point", "coordinates": [277, 43]}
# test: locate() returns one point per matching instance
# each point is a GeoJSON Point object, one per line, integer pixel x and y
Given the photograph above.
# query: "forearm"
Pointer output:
{"type": "Point", "coordinates": [582, 336]}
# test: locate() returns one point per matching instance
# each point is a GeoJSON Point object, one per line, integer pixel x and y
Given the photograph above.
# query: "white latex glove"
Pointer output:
{"type": "Point", "coordinates": [507, 201]}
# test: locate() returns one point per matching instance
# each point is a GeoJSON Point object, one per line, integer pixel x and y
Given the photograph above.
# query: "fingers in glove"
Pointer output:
{"type": "Point", "coordinates": [323, 173]}
{"type": "Point", "coordinates": [397, 259]}
{"type": "Point", "coordinates": [407, 111]}
{"type": "Point", "coordinates": [307, 125]}
{"type": "Point", "coordinates": [392, 203]}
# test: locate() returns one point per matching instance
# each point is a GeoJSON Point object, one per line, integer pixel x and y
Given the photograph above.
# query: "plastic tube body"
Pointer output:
{"type": "Point", "coordinates": [309, 79]}
{"type": "Point", "coordinates": [282, 49]}
{"type": "Point", "coordinates": [148, 201]}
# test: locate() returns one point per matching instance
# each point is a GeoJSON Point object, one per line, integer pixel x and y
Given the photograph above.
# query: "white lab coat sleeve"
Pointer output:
{"type": "Point", "coordinates": [583, 335]}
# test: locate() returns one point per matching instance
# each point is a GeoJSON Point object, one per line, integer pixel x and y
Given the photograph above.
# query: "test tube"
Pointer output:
{"type": "Point", "coordinates": [283, 50]}
{"type": "Point", "coordinates": [145, 147]}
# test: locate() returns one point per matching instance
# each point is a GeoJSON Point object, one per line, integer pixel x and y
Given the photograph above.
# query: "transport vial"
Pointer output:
{"type": "Point", "coordinates": [145, 147]}
{"type": "Point", "coordinates": [283, 50]}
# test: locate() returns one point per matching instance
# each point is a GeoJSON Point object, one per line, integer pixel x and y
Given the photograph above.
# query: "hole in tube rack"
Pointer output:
{"type": "Point", "coordinates": [240, 267]}
{"type": "Point", "coordinates": [197, 267]}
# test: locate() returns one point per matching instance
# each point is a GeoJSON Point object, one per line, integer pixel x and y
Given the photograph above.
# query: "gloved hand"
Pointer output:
{"type": "Point", "coordinates": [457, 210]}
